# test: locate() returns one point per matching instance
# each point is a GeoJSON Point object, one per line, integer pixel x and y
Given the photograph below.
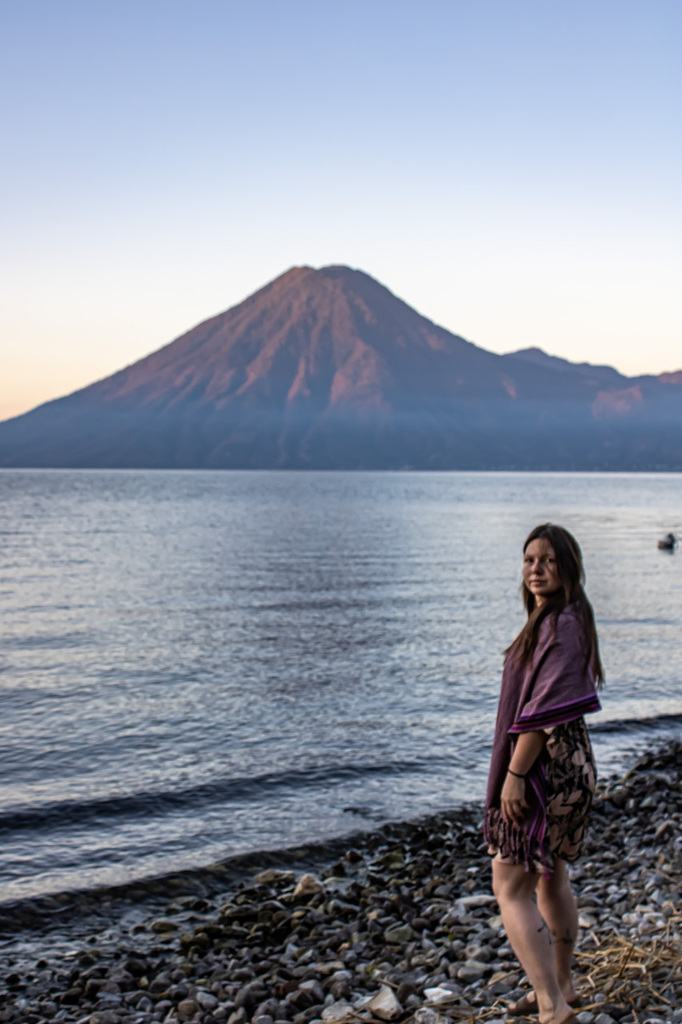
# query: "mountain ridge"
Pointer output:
{"type": "Point", "coordinates": [327, 368]}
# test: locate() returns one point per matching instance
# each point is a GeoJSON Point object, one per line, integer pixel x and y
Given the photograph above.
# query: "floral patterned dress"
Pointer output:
{"type": "Point", "coordinates": [567, 773]}
{"type": "Point", "coordinates": [571, 777]}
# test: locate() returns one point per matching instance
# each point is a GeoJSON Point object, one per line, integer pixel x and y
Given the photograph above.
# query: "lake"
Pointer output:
{"type": "Point", "coordinates": [197, 664]}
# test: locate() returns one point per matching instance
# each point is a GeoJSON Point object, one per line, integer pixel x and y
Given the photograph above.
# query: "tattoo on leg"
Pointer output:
{"type": "Point", "coordinates": [543, 927]}
{"type": "Point", "coordinates": [567, 938]}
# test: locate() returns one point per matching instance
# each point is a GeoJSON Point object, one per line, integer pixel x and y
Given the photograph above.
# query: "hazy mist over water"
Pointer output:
{"type": "Point", "coordinates": [198, 664]}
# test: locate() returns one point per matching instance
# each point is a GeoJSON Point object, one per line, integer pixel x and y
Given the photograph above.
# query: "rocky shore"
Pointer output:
{"type": "Point", "coordinates": [401, 926]}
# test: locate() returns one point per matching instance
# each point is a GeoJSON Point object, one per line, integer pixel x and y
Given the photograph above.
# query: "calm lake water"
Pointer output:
{"type": "Point", "coordinates": [199, 664]}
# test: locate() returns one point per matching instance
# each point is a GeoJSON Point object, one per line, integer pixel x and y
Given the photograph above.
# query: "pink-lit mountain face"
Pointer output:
{"type": "Point", "coordinates": [328, 369]}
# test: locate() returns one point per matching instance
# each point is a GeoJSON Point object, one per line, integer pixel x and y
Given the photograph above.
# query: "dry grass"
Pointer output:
{"type": "Point", "coordinates": [642, 978]}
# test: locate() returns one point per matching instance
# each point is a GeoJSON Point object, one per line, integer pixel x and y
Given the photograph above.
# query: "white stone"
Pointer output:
{"type": "Point", "coordinates": [477, 899]}
{"type": "Point", "coordinates": [307, 885]}
{"type": "Point", "coordinates": [439, 995]}
{"type": "Point", "coordinates": [337, 1012]}
{"type": "Point", "coordinates": [384, 1004]}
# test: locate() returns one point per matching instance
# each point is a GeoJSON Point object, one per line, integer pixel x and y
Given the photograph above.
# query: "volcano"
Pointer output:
{"type": "Point", "coordinates": [327, 369]}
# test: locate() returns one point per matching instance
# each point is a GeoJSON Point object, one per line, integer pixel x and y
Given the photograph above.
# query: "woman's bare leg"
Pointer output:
{"type": "Point", "coordinates": [557, 904]}
{"type": "Point", "coordinates": [530, 938]}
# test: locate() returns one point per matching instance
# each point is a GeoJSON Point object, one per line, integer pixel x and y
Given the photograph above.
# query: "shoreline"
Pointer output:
{"type": "Point", "coordinates": [401, 918]}
{"type": "Point", "coordinates": [35, 913]}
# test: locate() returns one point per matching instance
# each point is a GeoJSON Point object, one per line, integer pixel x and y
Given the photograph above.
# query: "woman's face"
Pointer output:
{"type": "Point", "coordinates": [540, 572]}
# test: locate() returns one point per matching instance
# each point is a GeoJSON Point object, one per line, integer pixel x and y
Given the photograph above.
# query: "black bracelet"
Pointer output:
{"type": "Point", "coordinates": [516, 774]}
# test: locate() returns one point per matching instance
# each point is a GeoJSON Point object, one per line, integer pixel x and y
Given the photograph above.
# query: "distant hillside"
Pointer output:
{"type": "Point", "coordinates": [328, 369]}
{"type": "Point", "coordinates": [600, 376]}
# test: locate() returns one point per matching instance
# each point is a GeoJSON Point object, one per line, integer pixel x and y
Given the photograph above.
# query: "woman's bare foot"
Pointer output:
{"type": "Point", "coordinates": [560, 1015]}
{"type": "Point", "coordinates": [528, 1003]}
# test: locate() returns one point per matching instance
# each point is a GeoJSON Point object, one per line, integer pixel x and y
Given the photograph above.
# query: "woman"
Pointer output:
{"type": "Point", "coordinates": [542, 773]}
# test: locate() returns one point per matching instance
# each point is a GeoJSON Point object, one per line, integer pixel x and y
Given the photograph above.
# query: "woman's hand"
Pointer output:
{"type": "Point", "coordinates": [513, 799]}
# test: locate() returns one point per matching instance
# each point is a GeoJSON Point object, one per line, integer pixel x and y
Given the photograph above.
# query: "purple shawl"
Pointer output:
{"type": "Point", "coordinates": [554, 687]}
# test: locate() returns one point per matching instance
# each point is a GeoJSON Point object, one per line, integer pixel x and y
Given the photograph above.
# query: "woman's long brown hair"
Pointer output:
{"type": "Point", "coordinates": [569, 562]}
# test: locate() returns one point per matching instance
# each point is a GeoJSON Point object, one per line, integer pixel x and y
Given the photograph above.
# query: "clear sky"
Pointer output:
{"type": "Point", "coordinates": [511, 168]}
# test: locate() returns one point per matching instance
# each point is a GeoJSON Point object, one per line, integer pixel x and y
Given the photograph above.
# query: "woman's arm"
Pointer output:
{"type": "Point", "coordinates": [513, 796]}
{"type": "Point", "coordinates": [528, 746]}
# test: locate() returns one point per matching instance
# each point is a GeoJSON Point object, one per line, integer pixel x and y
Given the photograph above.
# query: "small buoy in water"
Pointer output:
{"type": "Point", "coordinates": [668, 542]}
